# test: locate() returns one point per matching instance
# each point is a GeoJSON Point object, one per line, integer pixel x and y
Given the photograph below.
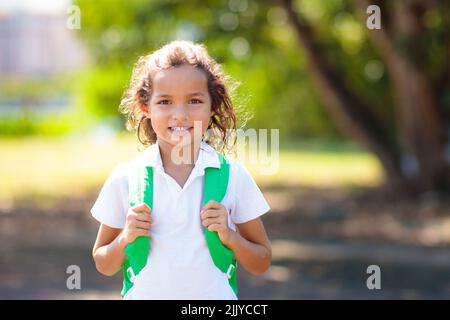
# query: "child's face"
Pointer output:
{"type": "Point", "coordinates": [180, 98]}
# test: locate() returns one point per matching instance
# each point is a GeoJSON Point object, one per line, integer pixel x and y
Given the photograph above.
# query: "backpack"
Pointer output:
{"type": "Point", "coordinates": [140, 182]}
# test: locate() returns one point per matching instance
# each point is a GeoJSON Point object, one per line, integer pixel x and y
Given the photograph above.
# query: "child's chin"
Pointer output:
{"type": "Point", "coordinates": [182, 140]}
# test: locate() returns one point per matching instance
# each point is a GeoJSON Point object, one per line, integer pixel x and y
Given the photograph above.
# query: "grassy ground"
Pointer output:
{"type": "Point", "coordinates": [54, 168]}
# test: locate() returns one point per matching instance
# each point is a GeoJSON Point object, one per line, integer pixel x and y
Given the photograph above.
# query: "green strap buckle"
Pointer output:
{"type": "Point", "coordinates": [230, 271]}
{"type": "Point", "coordinates": [131, 274]}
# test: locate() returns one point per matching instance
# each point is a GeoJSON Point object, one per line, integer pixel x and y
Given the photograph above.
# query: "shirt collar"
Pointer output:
{"type": "Point", "coordinates": [207, 157]}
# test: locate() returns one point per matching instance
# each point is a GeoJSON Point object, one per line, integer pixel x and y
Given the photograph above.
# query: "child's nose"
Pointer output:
{"type": "Point", "coordinates": [180, 112]}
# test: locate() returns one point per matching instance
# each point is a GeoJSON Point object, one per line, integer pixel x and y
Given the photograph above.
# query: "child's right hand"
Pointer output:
{"type": "Point", "coordinates": [138, 224]}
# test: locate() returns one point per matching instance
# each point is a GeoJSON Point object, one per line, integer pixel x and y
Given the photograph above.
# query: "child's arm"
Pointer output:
{"type": "Point", "coordinates": [250, 245]}
{"type": "Point", "coordinates": [108, 252]}
{"type": "Point", "coordinates": [109, 248]}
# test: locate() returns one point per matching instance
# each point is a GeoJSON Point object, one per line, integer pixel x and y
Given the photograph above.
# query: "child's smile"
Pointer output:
{"type": "Point", "coordinates": [181, 130]}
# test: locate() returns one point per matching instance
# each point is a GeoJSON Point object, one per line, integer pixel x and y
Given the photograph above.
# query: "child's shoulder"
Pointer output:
{"type": "Point", "coordinates": [236, 167]}
{"type": "Point", "coordinates": [238, 170]}
{"type": "Point", "coordinates": [118, 174]}
{"type": "Point", "coordinates": [122, 170]}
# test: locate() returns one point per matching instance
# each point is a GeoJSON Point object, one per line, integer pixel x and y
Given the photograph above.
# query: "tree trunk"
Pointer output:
{"type": "Point", "coordinates": [351, 115]}
{"type": "Point", "coordinates": [421, 130]}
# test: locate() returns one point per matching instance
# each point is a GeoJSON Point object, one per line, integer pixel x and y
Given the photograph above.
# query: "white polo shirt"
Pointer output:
{"type": "Point", "coordinates": [179, 264]}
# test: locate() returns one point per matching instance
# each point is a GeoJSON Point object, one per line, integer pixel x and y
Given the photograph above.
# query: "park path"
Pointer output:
{"type": "Point", "coordinates": [314, 257]}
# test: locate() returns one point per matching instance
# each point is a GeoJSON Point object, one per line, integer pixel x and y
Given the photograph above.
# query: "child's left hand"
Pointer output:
{"type": "Point", "coordinates": [215, 216]}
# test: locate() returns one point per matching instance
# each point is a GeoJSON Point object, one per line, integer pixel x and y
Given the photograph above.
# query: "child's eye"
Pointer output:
{"type": "Point", "coordinates": [165, 101]}
{"type": "Point", "coordinates": [196, 101]}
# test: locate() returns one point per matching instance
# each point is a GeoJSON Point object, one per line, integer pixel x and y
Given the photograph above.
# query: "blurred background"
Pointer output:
{"type": "Point", "coordinates": [363, 117]}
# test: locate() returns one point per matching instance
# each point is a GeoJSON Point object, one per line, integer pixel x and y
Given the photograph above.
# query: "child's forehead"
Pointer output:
{"type": "Point", "coordinates": [185, 77]}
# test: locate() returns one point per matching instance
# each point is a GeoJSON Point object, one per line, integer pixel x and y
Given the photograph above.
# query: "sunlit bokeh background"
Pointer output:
{"type": "Point", "coordinates": [363, 175]}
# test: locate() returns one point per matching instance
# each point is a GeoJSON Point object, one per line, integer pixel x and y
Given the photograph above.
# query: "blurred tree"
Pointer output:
{"type": "Point", "coordinates": [414, 45]}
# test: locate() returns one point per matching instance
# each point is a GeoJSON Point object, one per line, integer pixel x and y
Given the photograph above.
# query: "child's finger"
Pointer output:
{"type": "Point", "coordinates": [212, 204]}
{"type": "Point", "coordinates": [210, 214]}
{"type": "Point", "coordinates": [142, 225]}
{"type": "Point", "coordinates": [141, 232]}
{"type": "Point", "coordinates": [143, 207]}
{"type": "Point", "coordinates": [210, 221]}
{"type": "Point", "coordinates": [207, 222]}
{"type": "Point", "coordinates": [143, 217]}
{"type": "Point", "coordinates": [216, 227]}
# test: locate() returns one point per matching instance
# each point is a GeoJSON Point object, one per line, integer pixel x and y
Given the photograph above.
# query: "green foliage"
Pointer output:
{"type": "Point", "coordinates": [31, 113]}
{"type": "Point", "coordinates": [101, 89]}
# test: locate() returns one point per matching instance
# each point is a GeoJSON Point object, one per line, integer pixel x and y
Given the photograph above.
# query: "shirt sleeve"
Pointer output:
{"type": "Point", "coordinates": [111, 206]}
{"type": "Point", "coordinates": [250, 202]}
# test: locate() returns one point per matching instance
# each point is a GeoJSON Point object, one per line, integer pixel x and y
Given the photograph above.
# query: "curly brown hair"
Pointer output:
{"type": "Point", "coordinates": [173, 54]}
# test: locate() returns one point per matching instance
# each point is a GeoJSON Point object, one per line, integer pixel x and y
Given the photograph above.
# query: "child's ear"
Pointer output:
{"type": "Point", "coordinates": [145, 109]}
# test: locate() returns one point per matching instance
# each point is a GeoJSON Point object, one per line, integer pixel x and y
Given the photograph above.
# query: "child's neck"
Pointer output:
{"type": "Point", "coordinates": [178, 155]}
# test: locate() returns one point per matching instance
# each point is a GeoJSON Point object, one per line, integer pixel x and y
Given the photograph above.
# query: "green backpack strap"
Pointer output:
{"type": "Point", "coordinates": [140, 185]}
{"type": "Point", "coordinates": [216, 183]}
